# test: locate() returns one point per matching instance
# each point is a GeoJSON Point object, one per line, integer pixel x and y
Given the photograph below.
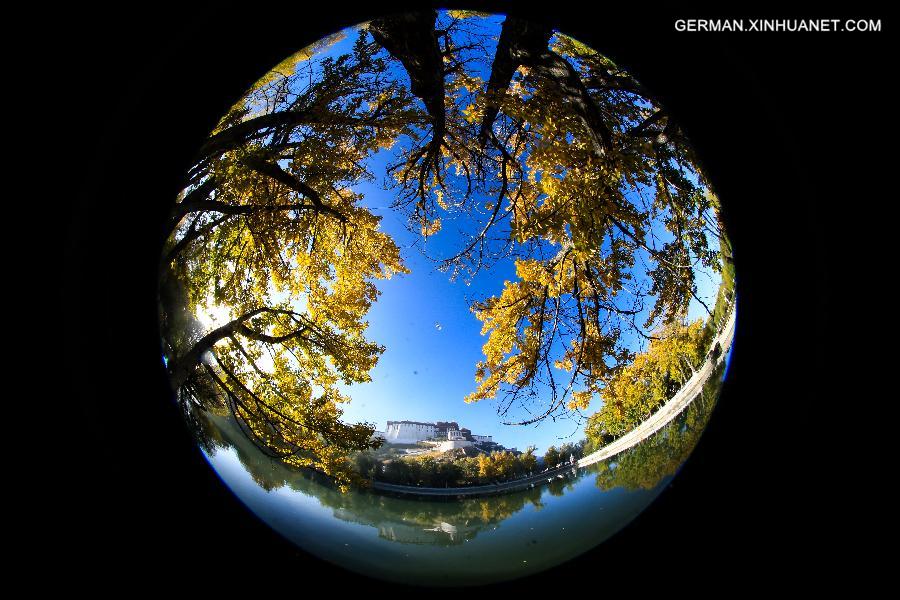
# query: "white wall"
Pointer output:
{"type": "Point", "coordinates": [450, 445]}
{"type": "Point", "coordinates": [408, 433]}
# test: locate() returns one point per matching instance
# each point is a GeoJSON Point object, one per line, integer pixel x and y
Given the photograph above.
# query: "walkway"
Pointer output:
{"type": "Point", "coordinates": [654, 423]}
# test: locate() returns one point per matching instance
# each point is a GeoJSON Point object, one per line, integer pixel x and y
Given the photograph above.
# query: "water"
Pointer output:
{"type": "Point", "coordinates": [526, 212]}
{"type": "Point", "coordinates": [452, 541]}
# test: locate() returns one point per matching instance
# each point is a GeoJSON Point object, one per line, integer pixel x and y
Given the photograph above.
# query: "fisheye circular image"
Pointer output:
{"type": "Point", "coordinates": [446, 298]}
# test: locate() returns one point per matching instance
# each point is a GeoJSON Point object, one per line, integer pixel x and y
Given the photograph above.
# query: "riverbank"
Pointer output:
{"type": "Point", "coordinates": [662, 417]}
{"type": "Point", "coordinates": [480, 490]}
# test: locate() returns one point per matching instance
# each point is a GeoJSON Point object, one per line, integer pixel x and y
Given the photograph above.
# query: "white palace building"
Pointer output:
{"type": "Point", "coordinates": [411, 432]}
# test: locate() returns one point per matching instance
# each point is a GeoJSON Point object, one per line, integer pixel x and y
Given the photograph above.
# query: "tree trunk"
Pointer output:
{"type": "Point", "coordinates": [526, 44]}
{"type": "Point", "coordinates": [181, 366]}
{"type": "Point", "coordinates": [515, 35]}
{"type": "Point", "coordinates": [411, 39]}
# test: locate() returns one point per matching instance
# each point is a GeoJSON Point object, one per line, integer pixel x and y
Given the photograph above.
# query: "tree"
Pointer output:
{"type": "Point", "coordinates": [607, 171]}
{"type": "Point", "coordinates": [560, 162]}
{"type": "Point", "coordinates": [645, 465]}
{"type": "Point", "coordinates": [498, 466]}
{"type": "Point", "coordinates": [528, 460]}
{"type": "Point", "coordinates": [569, 450]}
{"type": "Point", "coordinates": [366, 465]}
{"type": "Point", "coordinates": [592, 189]}
{"type": "Point", "coordinates": [552, 457]}
{"type": "Point", "coordinates": [647, 383]}
{"type": "Point", "coordinates": [269, 238]}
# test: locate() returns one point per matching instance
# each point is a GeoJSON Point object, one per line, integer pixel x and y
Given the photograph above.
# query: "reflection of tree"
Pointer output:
{"type": "Point", "coordinates": [590, 187]}
{"type": "Point", "coordinates": [208, 437]}
{"type": "Point", "coordinates": [450, 521]}
{"type": "Point", "coordinates": [644, 466]}
{"type": "Point", "coordinates": [468, 516]}
{"type": "Point", "coordinates": [559, 486]}
{"type": "Point", "coordinates": [472, 514]}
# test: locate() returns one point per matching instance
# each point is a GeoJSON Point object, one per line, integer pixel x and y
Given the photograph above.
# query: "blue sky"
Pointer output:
{"type": "Point", "coordinates": [432, 338]}
{"type": "Point", "coordinates": [433, 341]}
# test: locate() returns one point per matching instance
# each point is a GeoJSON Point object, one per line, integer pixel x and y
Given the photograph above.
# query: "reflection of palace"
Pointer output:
{"type": "Point", "coordinates": [449, 433]}
{"type": "Point", "coordinates": [412, 530]}
{"type": "Point", "coordinates": [442, 533]}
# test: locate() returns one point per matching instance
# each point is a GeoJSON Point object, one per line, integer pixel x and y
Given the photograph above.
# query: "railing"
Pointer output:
{"type": "Point", "coordinates": [662, 417]}
{"type": "Point", "coordinates": [475, 490]}
{"type": "Point", "coordinates": [672, 407]}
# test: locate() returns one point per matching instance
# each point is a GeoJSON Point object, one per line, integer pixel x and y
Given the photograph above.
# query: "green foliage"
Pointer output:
{"type": "Point", "coordinates": [592, 215]}
{"type": "Point", "coordinates": [552, 457]}
{"type": "Point", "coordinates": [428, 471]}
{"type": "Point", "coordinates": [272, 260]}
{"type": "Point", "coordinates": [279, 259]}
{"type": "Point", "coordinates": [725, 295]}
{"type": "Point", "coordinates": [556, 456]}
{"type": "Point", "coordinates": [649, 381]}
{"type": "Point", "coordinates": [644, 466]}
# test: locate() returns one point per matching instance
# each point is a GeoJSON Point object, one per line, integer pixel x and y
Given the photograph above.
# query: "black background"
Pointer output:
{"type": "Point", "coordinates": [784, 124]}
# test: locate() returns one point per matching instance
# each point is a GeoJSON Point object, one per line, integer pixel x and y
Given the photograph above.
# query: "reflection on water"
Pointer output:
{"type": "Point", "coordinates": [450, 541]}
{"type": "Point", "coordinates": [646, 464]}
